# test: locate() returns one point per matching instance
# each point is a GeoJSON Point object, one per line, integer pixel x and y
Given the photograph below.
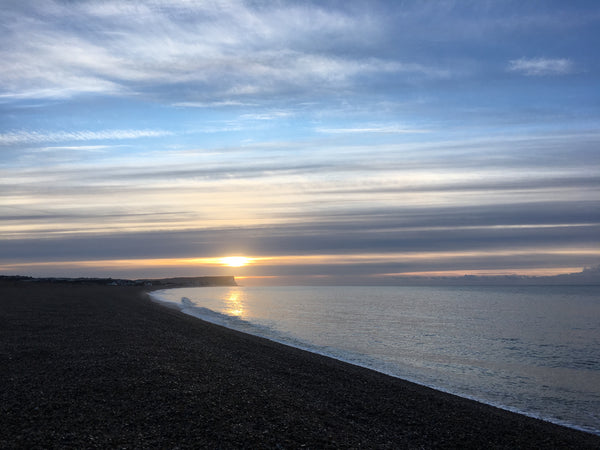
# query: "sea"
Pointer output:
{"type": "Point", "coordinates": [534, 350]}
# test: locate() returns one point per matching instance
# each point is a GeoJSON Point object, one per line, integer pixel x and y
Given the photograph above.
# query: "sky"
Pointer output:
{"type": "Point", "coordinates": [328, 142]}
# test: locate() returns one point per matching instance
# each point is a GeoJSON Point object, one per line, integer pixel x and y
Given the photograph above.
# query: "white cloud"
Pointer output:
{"type": "Point", "coordinates": [266, 116]}
{"type": "Point", "coordinates": [36, 137]}
{"type": "Point", "coordinates": [541, 66]}
{"type": "Point", "coordinates": [223, 103]}
{"type": "Point", "coordinates": [385, 129]}
{"type": "Point", "coordinates": [228, 50]}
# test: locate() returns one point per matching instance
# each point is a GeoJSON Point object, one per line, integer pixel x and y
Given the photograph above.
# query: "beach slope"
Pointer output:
{"type": "Point", "coordinates": [85, 366]}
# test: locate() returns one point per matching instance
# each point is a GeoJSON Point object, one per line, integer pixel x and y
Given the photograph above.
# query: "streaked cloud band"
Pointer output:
{"type": "Point", "coordinates": [541, 66]}
{"type": "Point", "coordinates": [37, 137]}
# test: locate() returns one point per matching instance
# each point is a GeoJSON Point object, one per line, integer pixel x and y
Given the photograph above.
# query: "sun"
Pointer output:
{"type": "Point", "coordinates": [235, 261]}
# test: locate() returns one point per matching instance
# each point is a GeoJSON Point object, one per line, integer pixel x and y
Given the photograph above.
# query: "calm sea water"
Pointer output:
{"type": "Point", "coordinates": [530, 349]}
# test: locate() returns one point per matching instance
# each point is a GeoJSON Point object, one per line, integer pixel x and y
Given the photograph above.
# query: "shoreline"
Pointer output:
{"type": "Point", "coordinates": [315, 350]}
{"type": "Point", "coordinates": [99, 366]}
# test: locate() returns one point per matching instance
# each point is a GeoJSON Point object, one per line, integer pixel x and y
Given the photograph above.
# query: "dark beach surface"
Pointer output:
{"type": "Point", "coordinates": [84, 366]}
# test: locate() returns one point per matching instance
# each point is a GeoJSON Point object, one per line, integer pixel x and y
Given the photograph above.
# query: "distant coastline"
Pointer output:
{"type": "Point", "coordinates": [161, 283]}
{"type": "Point", "coordinates": [588, 276]}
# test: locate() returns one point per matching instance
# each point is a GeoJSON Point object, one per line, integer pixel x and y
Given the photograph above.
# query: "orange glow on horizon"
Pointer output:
{"type": "Point", "coordinates": [264, 268]}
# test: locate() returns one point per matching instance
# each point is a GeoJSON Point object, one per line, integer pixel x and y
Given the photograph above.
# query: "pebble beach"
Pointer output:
{"type": "Point", "coordinates": [88, 366]}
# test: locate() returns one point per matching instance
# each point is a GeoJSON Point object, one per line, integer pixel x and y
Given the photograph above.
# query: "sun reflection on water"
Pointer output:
{"type": "Point", "coordinates": [234, 306]}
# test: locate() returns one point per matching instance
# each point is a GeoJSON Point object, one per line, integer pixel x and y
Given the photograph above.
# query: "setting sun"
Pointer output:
{"type": "Point", "coordinates": [235, 261]}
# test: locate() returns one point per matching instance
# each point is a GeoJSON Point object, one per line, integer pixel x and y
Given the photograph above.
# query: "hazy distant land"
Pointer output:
{"type": "Point", "coordinates": [155, 283]}
{"type": "Point", "coordinates": [588, 276]}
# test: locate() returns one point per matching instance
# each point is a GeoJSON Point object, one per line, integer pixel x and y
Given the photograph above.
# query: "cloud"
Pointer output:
{"type": "Point", "coordinates": [496, 197]}
{"type": "Point", "coordinates": [215, 104]}
{"type": "Point", "coordinates": [228, 51]}
{"type": "Point", "coordinates": [234, 52]}
{"type": "Point", "coordinates": [541, 66]}
{"type": "Point", "coordinates": [384, 129]}
{"type": "Point", "coordinates": [360, 243]}
{"type": "Point", "coordinates": [37, 137]}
